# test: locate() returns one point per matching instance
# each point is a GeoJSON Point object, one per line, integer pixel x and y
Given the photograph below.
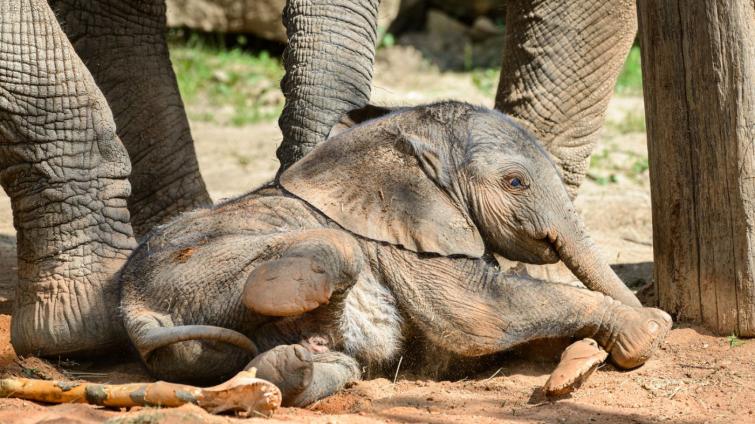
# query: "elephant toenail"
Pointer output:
{"type": "Point", "coordinates": [653, 326]}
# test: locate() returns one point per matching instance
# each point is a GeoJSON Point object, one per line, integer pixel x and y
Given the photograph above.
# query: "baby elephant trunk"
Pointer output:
{"type": "Point", "coordinates": [581, 256]}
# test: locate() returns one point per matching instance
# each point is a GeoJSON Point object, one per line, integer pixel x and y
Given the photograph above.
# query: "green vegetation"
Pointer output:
{"type": "Point", "coordinates": [609, 164]}
{"type": "Point", "coordinates": [735, 341]}
{"type": "Point", "coordinates": [386, 39]}
{"type": "Point", "coordinates": [212, 78]}
{"type": "Point", "coordinates": [486, 80]}
{"type": "Point", "coordinates": [239, 86]}
{"type": "Point", "coordinates": [630, 79]}
{"type": "Point", "coordinates": [633, 122]}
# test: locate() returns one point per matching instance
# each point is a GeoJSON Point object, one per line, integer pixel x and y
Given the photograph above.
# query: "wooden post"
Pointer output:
{"type": "Point", "coordinates": [698, 65]}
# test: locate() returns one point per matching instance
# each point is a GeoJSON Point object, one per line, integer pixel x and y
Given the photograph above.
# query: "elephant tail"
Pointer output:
{"type": "Point", "coordinates": [158, 337]}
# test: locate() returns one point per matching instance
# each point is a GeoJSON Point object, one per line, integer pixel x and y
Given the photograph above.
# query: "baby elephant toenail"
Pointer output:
{"type": "Point", "coordinates": [653, 326]}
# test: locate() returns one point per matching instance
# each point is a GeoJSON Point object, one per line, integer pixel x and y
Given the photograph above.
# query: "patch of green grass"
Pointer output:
{"type": "Point", "coordinates": [640, 166]}
{"type": "Point", "coordinates": [734, 341]}
{"type": "Point", "coordinates": [386, 39]}
{"type": "Point", "coordinates": [612, 163]}
{"type": "Point", "coordinates": [486, 80]}
{"type": "Point", "coordinates": [633, 122]}
{"type": "Point", "coordinates": [216, 77]}
{"type": "Point", "coordinates": [630, 79]}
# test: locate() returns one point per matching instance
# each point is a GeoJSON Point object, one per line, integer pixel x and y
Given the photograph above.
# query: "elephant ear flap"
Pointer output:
{"type": "Point", "coordinates": [385, 187]}
{"type": "Point", "coordinates": [358, 116]}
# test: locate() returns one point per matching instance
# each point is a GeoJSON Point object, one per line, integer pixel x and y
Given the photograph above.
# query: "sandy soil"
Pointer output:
{"type": "Point", "coordinates": [694, 378]}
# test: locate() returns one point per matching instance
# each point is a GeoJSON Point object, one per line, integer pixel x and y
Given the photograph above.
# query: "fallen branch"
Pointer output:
{"type": "Point", "coordinates": [244, 393]}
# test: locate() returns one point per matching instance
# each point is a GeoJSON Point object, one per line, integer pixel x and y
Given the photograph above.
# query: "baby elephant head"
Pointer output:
{"type": "Point", "coordinates": [451, 179]}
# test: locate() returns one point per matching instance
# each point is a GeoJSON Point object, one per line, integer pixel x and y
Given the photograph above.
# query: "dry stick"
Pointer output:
{"type": "Point", "coordinates": [494, 374]}
{"type": "Point", "coordinates": [243, 393]}
{"type": "Point", "coordinates": [398, 367]}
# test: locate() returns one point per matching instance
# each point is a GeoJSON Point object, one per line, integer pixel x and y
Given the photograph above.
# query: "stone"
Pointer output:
{"type": "Point", "coordinates": [261, 18]}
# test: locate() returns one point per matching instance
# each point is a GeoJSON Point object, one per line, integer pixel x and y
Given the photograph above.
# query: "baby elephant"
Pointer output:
{"type": "Point", "coordinates": [379, 239]}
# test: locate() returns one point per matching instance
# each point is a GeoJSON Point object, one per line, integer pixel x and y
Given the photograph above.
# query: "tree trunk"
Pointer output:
{"type": "Point", "coordinates": [698, 63]}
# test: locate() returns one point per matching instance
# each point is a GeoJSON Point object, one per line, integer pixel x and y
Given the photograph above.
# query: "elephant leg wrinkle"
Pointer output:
{"type": "Point", "coordinates": [66, 172]}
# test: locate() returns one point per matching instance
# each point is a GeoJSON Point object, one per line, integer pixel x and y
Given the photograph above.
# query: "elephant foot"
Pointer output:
{"type": "Point", "coordinates": [290, 367]}
{"type": "Point", "coordinates": [65, 318]}
{"type": "Point", "coordinates": [287, 287]}
{"type": "Point", "coordinates": [304, 377]}
{"type": "Point", "coordinates": [635, 333]}
{"type": "Point", "coordinates": [578, 362]}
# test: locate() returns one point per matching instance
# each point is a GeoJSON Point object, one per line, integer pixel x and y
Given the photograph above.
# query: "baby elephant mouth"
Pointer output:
{"type": "Point", "coordinates": [550, 251]}
{"type": "Point", "coordinates": [538, 251]}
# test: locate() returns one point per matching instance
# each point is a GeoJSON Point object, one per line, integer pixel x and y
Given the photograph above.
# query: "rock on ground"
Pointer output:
{"type": "Point", "coordinates": [261, 18]}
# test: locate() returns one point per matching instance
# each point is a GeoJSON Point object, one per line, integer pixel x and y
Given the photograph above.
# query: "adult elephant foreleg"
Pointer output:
{"type": "Point", "coordinates": [560, 64]}
{"type": "Point", "coordinates": [66, 173]}
{"type": "Point", "coordinates": [328, 61]}
{"type": "Point", "coordinates": [123, 45]}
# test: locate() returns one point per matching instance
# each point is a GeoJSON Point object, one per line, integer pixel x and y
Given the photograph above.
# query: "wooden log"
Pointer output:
{"type": "Point", "coordinates": [243, 394]}
{"type": "Point", "coordinates": [698, 65]}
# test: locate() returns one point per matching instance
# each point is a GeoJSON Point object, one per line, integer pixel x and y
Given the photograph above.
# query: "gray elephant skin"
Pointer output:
{"type": "Point", "coordinates": [378, 238]}
{"type": "Point", "coordinates": [95, 147]}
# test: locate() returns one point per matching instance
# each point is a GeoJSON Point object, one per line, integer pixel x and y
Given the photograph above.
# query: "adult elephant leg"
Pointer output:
{"type": "Point", "coordinates": [560, 64]}
{"type": "Point", "coordinates": [123, 45]}
{"type": "Point", "coordinates": [66, 173]}
{"type": "Point", "coordinates": [328, 61]}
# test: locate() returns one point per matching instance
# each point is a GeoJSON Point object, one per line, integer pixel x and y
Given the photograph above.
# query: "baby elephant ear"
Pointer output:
{"type": "Point", "coordinates": [358, 116]}
{"type": "Point", "coordinates": [385, 187]}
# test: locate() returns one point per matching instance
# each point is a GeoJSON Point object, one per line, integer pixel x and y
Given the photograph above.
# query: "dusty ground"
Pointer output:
{"type": "Point", "coordinates": [695, 378]}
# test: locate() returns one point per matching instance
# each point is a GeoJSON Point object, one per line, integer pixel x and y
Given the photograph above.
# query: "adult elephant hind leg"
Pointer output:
{"type": "Point", "coordinates": [316, 265]}
{"type": "Point", "coordinates": [66, 173]}
{"type": "Point", "coordinates": [123, 44]}
{"type": "Point", "coordinates": [304, 377]}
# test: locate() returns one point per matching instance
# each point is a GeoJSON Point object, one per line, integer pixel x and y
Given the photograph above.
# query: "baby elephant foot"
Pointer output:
{"type": "Point", "coordinates": [317, 264]}
{"type": "Point", "coordinates": [303, 377]}
{"type": "Point", "coordinates": [289, 367]}
{"type": "Point", "coordinates": [634, 334]}
{"type": "Point", "coordinates": [287, 287]}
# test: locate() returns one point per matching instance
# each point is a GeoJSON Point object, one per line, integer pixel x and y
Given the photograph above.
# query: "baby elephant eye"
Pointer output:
{"type": "Point", "coordinates": [516, 183]}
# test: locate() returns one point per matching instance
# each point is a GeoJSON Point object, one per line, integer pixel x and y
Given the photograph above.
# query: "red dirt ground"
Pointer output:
{"type": "Point", "coordinates": [694, 378]}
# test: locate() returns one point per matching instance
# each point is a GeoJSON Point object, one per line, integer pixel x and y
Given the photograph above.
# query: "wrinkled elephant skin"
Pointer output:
{"type": "Point", "coordinates": [378, 238]}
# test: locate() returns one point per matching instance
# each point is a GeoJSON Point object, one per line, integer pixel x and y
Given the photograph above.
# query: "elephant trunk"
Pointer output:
{"type": "Point", "coordinates": [328, 63]}
{"type": "Point", "coordinates": [578, 252]}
